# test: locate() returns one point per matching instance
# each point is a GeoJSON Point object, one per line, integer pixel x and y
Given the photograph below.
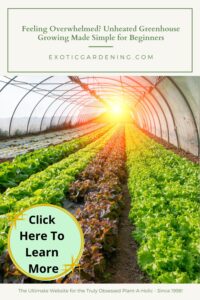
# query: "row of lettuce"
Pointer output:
{"type": "Point", "coordinates": [47, 186]}
{"type": "Point", "coordinates": [23, 166]}
{"type": "Point", "coordinates": [99, 189]}
{"type": "Point", "coordinates": [164, 191]}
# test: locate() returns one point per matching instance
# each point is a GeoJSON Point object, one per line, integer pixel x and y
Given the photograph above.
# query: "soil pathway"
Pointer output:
{"type": "Point", "coordinates": [123, 267]}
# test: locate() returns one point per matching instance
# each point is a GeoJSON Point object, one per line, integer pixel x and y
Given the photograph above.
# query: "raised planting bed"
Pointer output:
{"type": "Point", "coordinates": [12, 147]}
{"type": "Point", "coordinates": [164, 189]}
{"type": "Point", "coordinates": [23, 166]}
{"type": "Point", "coordinates": [99, 189]}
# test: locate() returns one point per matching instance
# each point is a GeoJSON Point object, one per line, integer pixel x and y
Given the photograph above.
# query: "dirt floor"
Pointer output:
{"type": "Point", "coordinates": [173, 148]}
{"type": "Point", "coordinates": [5, 159]}
{"type": "Point", "coordinates": [123, 267]}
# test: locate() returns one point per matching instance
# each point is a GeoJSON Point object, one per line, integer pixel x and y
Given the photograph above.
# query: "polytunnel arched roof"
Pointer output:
{"type": "Point", "coordinates": [167, 107]}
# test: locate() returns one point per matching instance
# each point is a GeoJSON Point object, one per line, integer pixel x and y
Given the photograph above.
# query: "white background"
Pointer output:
{"type": "Point", "coordinates": [94, 291]}
{"type": "Point", "coordinates": [172, 54]}
{"type": "Point", "coordinates": [103, 3]}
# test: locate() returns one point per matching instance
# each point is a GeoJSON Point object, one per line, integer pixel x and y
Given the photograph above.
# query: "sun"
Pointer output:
{"type": "Point", "coordinates": [117, 109]}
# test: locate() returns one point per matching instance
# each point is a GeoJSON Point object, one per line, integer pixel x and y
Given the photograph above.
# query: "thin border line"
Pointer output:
{"type": "Point", "coordinates": [100, 46]}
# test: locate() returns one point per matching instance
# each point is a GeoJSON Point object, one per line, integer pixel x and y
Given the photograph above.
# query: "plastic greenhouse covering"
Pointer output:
{"type": "Point", "coordinates": [167, 107]}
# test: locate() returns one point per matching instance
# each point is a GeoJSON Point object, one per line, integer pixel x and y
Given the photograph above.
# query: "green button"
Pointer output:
{"type": "Point", "coordinates": [45, 242]}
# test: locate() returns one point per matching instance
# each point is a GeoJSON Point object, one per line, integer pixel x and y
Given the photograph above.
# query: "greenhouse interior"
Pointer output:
{"type": "Point", "coordinates": [120, 153]}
